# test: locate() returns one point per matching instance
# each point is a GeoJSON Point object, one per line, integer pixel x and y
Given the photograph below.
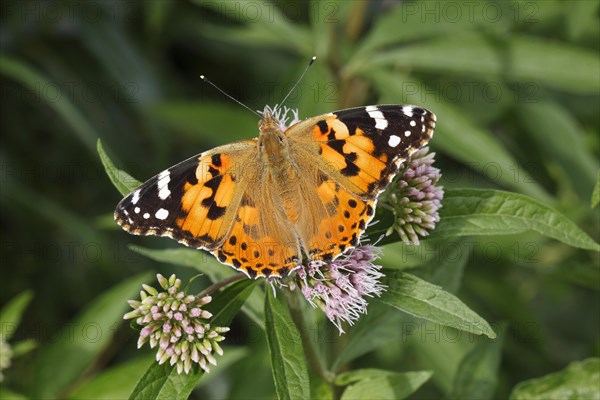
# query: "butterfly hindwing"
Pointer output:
{"type": "Point", "coordinates": [262, 241]}
{"type": "Point", "coordinates": [347, 217]}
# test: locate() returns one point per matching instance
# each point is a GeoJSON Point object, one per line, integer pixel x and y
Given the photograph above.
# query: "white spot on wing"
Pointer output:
{"type": "Point", "coordinates": [146, 215]}
{"type": "Point", "coordinates": [135, 197]}
{"type": "Point", "coordinates": [161, 214]}
{"type": "Point", "coordinates": [394, 141]}
{"type": "Point", "coordinates": [137, 210]}
{"type": "Point", "coordinates": [413, 123]}
{"type": "Point", "coordinates": [407, 133]}
{"type": "Point", "coordinates": [380, 121]}
{"type": "Point", "coordinates": [408, 111]}
{"type": "Point", "coordinates": [163, 184]}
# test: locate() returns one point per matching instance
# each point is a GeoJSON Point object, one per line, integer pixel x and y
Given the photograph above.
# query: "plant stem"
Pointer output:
{"type": "Point", "coordinates": [314, 362]}
{"type": "Point", "coordinates": [218, 285]}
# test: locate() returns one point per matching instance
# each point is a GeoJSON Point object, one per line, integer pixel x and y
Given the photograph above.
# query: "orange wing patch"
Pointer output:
{"type": "Point", "coordinates": [328, 126]}
{"type": "Point", "coordinates": [354, 156]}
{"type": "Point", "coordinates": [347, 218]}
{"type": "Point", "coordinates": [251, 249]}
{"type": "Point", "coordinates": [204, 203]}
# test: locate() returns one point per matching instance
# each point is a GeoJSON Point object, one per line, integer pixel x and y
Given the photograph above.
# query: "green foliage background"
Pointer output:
{"type": "Point", "coordinates": [515, 86]}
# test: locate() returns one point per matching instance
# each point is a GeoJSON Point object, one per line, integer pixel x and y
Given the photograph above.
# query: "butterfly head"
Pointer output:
{"type": "Point", "coordinates": [272, 142]}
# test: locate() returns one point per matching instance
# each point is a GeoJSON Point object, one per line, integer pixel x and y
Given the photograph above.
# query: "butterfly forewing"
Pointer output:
{"type": "Point", "coordinates": [362, 147]}
{"type": "Point", "coordinates": [193, 202]}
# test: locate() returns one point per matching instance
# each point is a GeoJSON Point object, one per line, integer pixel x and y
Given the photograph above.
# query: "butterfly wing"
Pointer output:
{"type": "Point", "coordinates": [355, 153]}
{"type": "Point", "coordinates": [193, 202]}
{"type": "Point", "coordinates": [343, 218]}
{"type": "Point", "coordinates": [218, 201]}
{"type": "Point", "coordinates": [262, 240]}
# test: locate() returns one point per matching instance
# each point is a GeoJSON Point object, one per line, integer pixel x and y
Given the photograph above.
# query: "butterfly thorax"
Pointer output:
{"type": "Point", "coordinates": [272, 142]}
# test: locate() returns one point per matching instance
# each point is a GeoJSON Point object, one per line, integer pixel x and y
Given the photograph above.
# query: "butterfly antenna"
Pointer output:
{"type": "Point", "coordinates": [312, 60]}
{"type": "Point", "coordinates": [205, 79]}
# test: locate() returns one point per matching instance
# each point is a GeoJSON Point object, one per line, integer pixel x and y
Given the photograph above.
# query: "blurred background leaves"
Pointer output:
{"type": "Point", "coordinates": [515, 86]}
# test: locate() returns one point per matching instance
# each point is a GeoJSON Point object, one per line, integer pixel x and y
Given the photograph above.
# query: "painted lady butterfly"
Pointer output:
{"type": "Point", "coordinates": [260, 205]}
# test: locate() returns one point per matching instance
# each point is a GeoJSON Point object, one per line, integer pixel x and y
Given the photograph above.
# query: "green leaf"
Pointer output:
{"type": "Point", "coordinates": [265, 26]}
{"type": "Point", "coordinates": [197, 259]}
{"type": "Point", "coordinates": [202, 119]}
{"type": "Point", "coordinates": [578, 381]}
{"type": "Point", "coordinates": [323, 15]}
{"type": "Point", "coordinates": [417, 297]}
{"type": "Point", "coordinates": [551, 126]}
{"type": "Point", "coordinates": [596, 194]}
{"type": "Point", "coordinates": [582, 273]}
{"type": "Point", "coordinates": [163, 382]}
{"type": "Point", "coordinates": [56, 212]}
{"type": "Point", "coordinates": [114, 383]}
{"type": "Point", "coordinates": [357, 375]}
{"type": "Point", "coordinates": [23, 347]}
{"type": "Point", "coordinates": [521, 58]}
{"type": "Point", "coordinates": [12, 312]}
{"type": "Point", "coordinates": [381, 384]}
{"type": "Point", "coordinates": [377, 327]}
{"type": "Point", "coordinates": [447, 272]}
{"type": "Point", "coordinates": [458, 135]}
{"type": "Point", "coordinates": [7, 394]}
{"type": "Point", "coordinates": [251, 378]}
{"type": "Point", "coordinates": [124, 182]}
{"type": "Point", "coordinates": [581, 16]}
{"type": "Point", "coordinates": [438, 261]}
{"type": "Point", "coordinates": [83, 340]}
{"type": "Point", "coordinates": [156, 15]}
{"type": "Point", "coordinates": [287, 356]}
{"type": "Point", "coordinates": [467, 52]}
{"type": "Point", "coordinates": [226, 304]}
{"type": "Point", "coordinates": [492, 212]}
{"type": "Point", "coordinates": [21, 72]}
{"type": "Point", "coordinates": [121, 59]}
{"type": "Point", "coordinates": [231, 356]}
{"type": "Point", "coordinates": [440, 348]}
{"type": "Point", "coordinates": [552, 63]}
{"type": "Point", "coordinates": [477, 375]}
{"type": "Point", "coordinates": [405, 23]}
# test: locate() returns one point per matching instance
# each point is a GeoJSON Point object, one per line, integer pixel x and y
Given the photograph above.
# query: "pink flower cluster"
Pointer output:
{"type": "Point", "coordinates": [177, 324]}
